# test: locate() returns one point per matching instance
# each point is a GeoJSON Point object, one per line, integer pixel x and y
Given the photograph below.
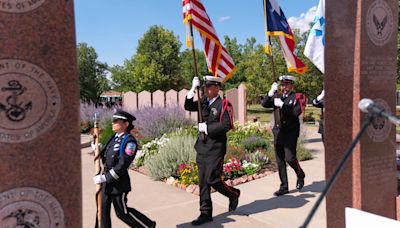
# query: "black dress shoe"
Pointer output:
{"type": "Point", "coordinates": [233, 203]}
{"type": "Point", "coordinates": [203, 218]}
{"type": "Point", "coordinates": [153, 224]}
{"type": "Point", "coordinates": [300, 183]}
{"type": "Point", "coordinates": [281, 192]}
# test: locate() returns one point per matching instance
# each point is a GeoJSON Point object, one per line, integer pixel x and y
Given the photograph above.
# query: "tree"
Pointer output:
{"type": "Point", "coordinates": [156, 64]}
{"type": "Point", "coordinates": [236, 52]}
{"type": "Point", "coordinates": [122, 79]}
{"type": "Point", "coordinates": [187, 66]}
{"type": "Point", "coordinates": [92, 74]}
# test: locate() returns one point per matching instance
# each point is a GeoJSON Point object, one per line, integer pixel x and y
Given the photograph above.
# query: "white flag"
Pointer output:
{"type": "Point", "coordinates": [315, 46]}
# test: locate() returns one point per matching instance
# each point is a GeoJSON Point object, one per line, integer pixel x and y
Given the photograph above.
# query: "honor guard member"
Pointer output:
{"type": "Point", "coordinates": [287, 130]}
{"type": "Point", "coordinates": [319, 103]}
{"type": "Point", "coordinates": [117, 155]}
{"type": "Point", "coordinates": [217, 121]}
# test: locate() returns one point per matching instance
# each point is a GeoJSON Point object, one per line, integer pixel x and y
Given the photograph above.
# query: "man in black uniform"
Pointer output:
{"type": "Point", "coordinates": [210, 152]}
{"type": "Point", "coordinates": [117, 155]}
{"type": "Point", "coordinates": [319, 103]}
{"type": "Point", "coordinates": [286, 130]}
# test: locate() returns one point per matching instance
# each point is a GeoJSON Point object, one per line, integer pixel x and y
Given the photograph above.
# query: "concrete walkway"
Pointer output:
{"type": "Point", "coordinates": [258, 207]}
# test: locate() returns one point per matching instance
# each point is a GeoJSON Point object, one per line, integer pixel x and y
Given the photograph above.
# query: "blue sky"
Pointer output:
{"type": "Point", "coordinates": [113, 27]}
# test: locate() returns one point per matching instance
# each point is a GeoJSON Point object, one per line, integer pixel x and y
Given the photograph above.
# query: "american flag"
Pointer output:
{"type": "Point", "coordinates": [219, 61]}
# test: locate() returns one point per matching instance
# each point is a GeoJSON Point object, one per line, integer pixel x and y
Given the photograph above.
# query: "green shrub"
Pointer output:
{"type": "Point", "coordinates": [235, 152]}
{"type": "Point", "coordinates": [106, 131]}
{"type": "Point", "coordinates": [178, 150]}
{"type": "Point", "coordinates": [240, 133]}
{"type": "Point", "coordinates": [302, 153]}
{"type": "Point", "coordinates": [149, 149]}
{"type": "Point", "coordinates": [250, 168]}
{"type": "Point", "coordinates": [252, 143]}
{"type": "Point", "coordinates": [258, 158]}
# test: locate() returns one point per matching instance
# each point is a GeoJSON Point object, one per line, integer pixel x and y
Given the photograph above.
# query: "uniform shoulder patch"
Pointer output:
{"type": "Point", "coordinates": [130, 148]}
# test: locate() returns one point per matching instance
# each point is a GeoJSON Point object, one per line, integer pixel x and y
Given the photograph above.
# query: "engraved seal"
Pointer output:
{"type": "Point", "coordinates": [379, 22]}
{"type": "Point", "coordinates": [29, 101]}
{"type": "Point", "coordinates": [30, 207]}
{"type": "Point", "coordinates": [380, 127]}
{"type": "Point", "coordinates": [20, 6]}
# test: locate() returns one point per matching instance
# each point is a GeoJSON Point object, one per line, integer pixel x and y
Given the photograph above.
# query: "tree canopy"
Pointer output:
{"type": "Point", "coordinates": [92, 74]}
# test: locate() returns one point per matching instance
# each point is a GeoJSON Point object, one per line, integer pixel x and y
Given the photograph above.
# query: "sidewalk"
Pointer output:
{"type": "Point", "coordinates": [172, 207]}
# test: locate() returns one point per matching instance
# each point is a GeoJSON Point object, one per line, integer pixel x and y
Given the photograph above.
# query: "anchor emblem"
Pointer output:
{"type": "Point", "coordinates": [15, 110]}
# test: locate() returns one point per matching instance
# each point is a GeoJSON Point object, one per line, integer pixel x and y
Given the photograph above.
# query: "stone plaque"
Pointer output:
{"type": "Point", "coordinates": [20, 6]}
{"type": "Point", "coordinates": [30, 207]}
{"type": "Point", "coordinates": [379, 22]}
{"type": "Point", "coordinates": [29, 101]}
{"type": "Point", "coordinates": [40, 181]}
{"type": "Point", "coordinates": [361, 52]}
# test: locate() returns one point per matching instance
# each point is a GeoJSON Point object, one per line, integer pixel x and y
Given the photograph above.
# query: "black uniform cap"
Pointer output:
{"type": "Point", "coordinates": [122, 115]}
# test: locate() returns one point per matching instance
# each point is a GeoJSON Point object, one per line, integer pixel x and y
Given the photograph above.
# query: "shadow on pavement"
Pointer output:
{"type": "Point", "coordinates": [285, 201]}
{"type": "Point", "coordinates": [217, 222]}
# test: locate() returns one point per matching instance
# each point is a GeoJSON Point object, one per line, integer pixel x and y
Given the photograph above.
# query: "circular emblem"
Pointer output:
{"type": "Point", "coordinates": [379, 22]}
{"type": "Point", "coordinates": [29, 208]}
{"type": "Point", "coordinates": [29, 101]}
{"type": "Point", "coordinates": [379, 129]}
{"type": "Point", "coordinates": [20, 6]}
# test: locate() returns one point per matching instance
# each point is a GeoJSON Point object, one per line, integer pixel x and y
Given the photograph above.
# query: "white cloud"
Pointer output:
{"type": "Point", "coordinates": [222, 19]}
{"type": "Point", "coordinates": [303, 21]}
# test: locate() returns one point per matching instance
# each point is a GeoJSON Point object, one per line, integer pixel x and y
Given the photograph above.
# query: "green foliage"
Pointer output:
{"type": "Point", "coordinates": [250, 168]}
{"type": "Point", "coordinates": [156, 64]}
{"type": "Point", "coordinates": [309, 117]}
{"type": "Point", "coordinates": [302, 153]}
{"type": "Point", "coordinates": [92, 74]}
{"type": "Point", "coordinates": [187, 68]}
{"type": "Point", "coordinates": [258, 158]}
{"type": "Point", "coordinates": [234, 152]}
{"type": "Point", "coordinates": [149, 149]}
{"type": "Point", "coordinates": [188, 174]}
{"type": "Point", "coordinates": [106, 131]}
{"type": "Point", "coordinates": [179, 150]}
{"type": "Point", "coordinates": [240, 133]}
{"type": "Point", "coordinates": [255, 142]}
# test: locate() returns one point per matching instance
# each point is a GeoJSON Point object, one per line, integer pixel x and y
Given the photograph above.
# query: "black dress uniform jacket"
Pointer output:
{"type": "Point", "coordinates": [288, 129]}
{"type": "Point", "coordinates": [216, 139]}
{"type": "Point", "coordinates": [211, 152]}
{"type": "Point", "coordinates": [119, 163]}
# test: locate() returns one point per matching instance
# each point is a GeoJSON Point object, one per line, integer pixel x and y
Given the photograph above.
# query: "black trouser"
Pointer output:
{"type": "Point", "coordinates": [287, 153]}
{"type": "Point", "coordinates": [210, 171]}
{"type": "Point", "coordinates": [126, 214]}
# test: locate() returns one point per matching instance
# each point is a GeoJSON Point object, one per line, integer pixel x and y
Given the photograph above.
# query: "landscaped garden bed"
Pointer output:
{"type": "Point", "coordinates": [167, 152]}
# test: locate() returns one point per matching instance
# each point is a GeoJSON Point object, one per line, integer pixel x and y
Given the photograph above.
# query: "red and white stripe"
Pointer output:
{"type": "Point", "coordinates": [219, 61]}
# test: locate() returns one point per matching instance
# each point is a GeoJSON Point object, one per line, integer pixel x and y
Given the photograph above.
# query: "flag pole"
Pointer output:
{"type": "Point", "coordinates": [268, 45]}
{"type": "Point", "coordinates": [96, 138]}
{"type": "Point", "coordinates": [196, 74]}
{"type": "Point", "coordinates": [268, 48]}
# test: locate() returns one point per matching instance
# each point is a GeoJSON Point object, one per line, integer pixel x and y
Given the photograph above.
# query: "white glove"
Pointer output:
{"type": "Point", "coordinates": [94, 146]}
{"type": "Point", "coordinates": [274, 88]}
{"type": "Point", "coordinates": [203, 128]}
{"type": "Point", "coordinates": [278, 102]}
{"type": "Point", "coordinates": [321, 96]}
{"type": "Point", "coordinates": [98, 179]}
{"type": "Point", "coordinates": [195, 84]}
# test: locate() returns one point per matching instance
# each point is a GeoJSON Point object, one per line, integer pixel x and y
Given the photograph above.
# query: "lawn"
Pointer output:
{"type": "Point", "coordinates": [264, 115]}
